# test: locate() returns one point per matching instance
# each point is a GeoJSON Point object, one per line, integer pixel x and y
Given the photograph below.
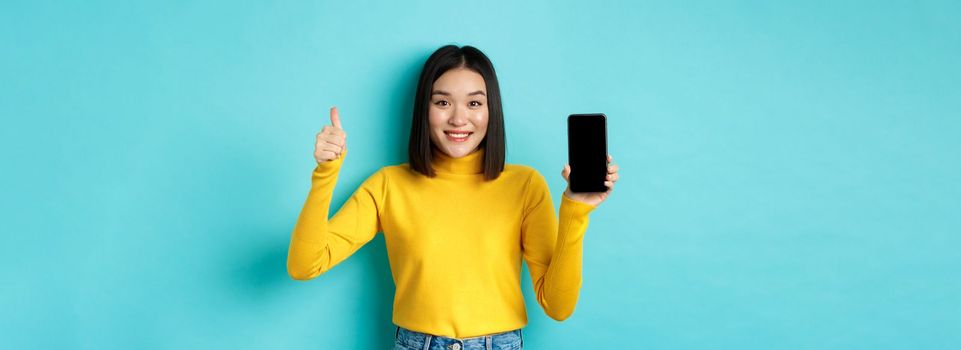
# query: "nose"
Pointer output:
{"type": "Point", "coordinates": [457, 118]}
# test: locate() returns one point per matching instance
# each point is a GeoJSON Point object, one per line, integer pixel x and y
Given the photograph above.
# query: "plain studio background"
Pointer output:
{"type": "Point", "coordinates": [789, 172]}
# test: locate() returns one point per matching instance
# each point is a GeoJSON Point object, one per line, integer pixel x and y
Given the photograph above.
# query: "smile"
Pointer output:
{"type": "Point", "coordinates": [458, 136]}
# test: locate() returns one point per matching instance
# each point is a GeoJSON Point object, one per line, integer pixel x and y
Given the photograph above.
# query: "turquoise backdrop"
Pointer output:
{"type": "Point", "coordinates": [790, 172]}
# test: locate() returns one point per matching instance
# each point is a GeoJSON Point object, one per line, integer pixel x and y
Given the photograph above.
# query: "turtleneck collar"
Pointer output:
{"type": "Point", "coordinates": [470, 164]}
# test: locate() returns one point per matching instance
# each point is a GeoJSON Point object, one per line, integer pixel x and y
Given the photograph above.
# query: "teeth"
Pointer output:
{"type": "Point", "coordinates": [458, 136]}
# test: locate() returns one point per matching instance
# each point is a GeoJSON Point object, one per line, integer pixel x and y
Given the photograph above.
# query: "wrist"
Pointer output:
{"type": "Point", "coordinates": [576, 204]}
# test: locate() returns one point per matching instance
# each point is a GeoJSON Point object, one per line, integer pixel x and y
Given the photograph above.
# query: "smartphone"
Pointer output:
{"type": "Point", "coordinates": [587, 151]}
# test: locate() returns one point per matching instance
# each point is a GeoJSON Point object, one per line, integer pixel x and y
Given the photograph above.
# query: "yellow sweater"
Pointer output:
{"type": "Point", "coordinates": [454, 242]}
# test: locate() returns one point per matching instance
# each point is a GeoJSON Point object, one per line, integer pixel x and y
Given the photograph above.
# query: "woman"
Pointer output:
{"type": "Point", "coordinates": [456, 219]}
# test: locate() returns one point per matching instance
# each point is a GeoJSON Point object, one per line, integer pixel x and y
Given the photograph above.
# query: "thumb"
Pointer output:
{"type": "Point", "coordinates": [335, 117]}
{"type": "Point", "coordinates": [566, 173]}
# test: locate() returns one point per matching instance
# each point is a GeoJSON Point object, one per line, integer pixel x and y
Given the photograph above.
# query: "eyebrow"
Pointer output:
{"type": "Point", "coordinates": [445, 93]}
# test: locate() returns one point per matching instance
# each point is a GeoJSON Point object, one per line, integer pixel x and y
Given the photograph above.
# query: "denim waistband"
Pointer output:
{"type": "Point", "coordinates": [417, 340]}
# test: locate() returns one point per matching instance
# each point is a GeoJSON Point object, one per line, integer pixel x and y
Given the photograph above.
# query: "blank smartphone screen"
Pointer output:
{"type": "Point", "coordinates": [587, 152]}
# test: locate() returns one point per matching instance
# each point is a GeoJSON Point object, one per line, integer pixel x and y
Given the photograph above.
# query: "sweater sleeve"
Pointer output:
{"type": "Point", "coordinates": [318, 244]}
{"type": "Point", "coordinates": [553, 247]}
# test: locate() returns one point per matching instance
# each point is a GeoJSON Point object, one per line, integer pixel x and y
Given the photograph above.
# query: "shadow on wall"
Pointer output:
{"type": "Point", "coordinates": [263, 275]}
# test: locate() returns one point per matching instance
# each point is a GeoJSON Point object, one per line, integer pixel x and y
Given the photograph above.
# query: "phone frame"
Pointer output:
{"type": "Point", "coordinates": [570, 119]}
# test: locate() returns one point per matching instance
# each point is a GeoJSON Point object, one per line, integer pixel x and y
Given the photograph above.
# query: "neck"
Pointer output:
{"type": "Point", "coordinates": [472, 163]}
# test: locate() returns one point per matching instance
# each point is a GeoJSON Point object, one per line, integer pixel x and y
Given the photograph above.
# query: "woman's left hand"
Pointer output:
{"type": "Point", "coordinates": [592, 198]}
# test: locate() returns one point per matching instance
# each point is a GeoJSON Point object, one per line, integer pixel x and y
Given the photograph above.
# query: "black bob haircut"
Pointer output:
{"type": "Point", "coordinates": [444, 59]}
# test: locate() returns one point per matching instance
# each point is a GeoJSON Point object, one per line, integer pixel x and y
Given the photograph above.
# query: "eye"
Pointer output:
{"type": "Point", "coordinates": [475, 103]}
{"type": "Point", "coordinates": [442, 103]}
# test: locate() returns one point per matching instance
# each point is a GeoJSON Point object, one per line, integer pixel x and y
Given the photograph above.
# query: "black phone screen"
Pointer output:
{"type": "Point", "coordinates": [587, 152]}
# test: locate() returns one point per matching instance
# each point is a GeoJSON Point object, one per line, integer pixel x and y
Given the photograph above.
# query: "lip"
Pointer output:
{"type": "Point", "coordinates": [456, 139]}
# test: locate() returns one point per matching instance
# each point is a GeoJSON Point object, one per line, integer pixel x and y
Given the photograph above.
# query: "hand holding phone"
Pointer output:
{"type": "Point", "coordinates": [590, 173]}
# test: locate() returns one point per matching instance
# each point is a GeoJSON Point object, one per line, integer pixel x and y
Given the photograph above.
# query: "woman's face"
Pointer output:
{"type": "Point", "coordinates": [458, 112]}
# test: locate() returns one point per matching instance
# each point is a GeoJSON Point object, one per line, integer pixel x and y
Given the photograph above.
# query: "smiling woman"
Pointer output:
{"type": "Point", "coordinates": [457, 220]}
{"type": "Point", "coordinates": [457, 109]}
{"type": "Point", "coordinates": [458, 112]}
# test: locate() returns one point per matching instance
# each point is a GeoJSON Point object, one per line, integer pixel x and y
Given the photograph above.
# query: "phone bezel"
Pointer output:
{"type": "Point", "coordinates": [570, 119]}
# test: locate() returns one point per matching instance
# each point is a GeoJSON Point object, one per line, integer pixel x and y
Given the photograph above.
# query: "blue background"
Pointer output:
{"type": "Point", "coordinates": [789, 172]}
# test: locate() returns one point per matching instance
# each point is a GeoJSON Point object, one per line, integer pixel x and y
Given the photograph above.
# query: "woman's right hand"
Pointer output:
{"type": "Point", "coordinates": [331, 140]}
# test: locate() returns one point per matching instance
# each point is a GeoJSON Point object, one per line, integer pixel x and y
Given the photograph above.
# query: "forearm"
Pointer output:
{"type": "Point", "coordinates": [563, 279]}
{"type": "Point", "coordinates": [308, 244]}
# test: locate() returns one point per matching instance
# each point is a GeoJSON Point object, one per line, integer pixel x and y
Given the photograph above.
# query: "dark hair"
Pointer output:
{"type": "Point", "coordinates": [442, 60]}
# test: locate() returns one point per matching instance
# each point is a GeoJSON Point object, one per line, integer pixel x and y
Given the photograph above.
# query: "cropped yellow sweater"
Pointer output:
{"type": "Point", "coordinates": [454, 242]}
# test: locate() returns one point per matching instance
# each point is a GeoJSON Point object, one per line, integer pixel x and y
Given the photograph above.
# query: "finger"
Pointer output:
{"type": "Point", "coordinates": [328, 155]}
{"type": "Point", "coordinates": [610, 159]}
{"type": "Point", "coordinates": [566, 173]}
{"type": "Point", "coordinates": [331, 140]}
{"type": "Point", "coordinates": [613, 177]}
{"type": "Point", "coordinates": [609, 184]}
{"type": "Point", "coordinates": [330, 132]}
{"type": "Point", "coordinates": [332, 148]}
{"type": "Point", "coordinates": [612, 168]}
{"type": "Point", "coordinates": [335, 117]}
{"type": "Point", "coordinates": [335, 142]}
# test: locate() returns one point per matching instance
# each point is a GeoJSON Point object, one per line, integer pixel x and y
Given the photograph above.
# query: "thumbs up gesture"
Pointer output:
{"type": "Point", "coordinates": [331, 140]}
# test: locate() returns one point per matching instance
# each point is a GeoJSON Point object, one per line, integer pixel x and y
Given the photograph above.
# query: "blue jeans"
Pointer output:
{"type": "Point", "coordinates": [406, 339]}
